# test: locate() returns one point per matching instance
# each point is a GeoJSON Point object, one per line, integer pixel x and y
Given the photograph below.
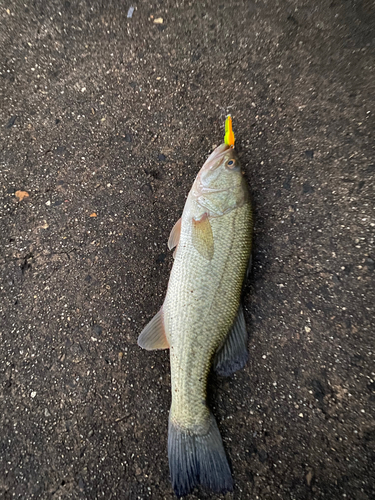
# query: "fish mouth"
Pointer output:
{"type": "Point", "coordinates": [216, 156]}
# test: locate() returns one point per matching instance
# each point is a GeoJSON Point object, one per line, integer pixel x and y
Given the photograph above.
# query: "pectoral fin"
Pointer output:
{"type": "Point", "coordinates": [233, 355]}
{"type": "Point", "coordinates": [203, 239]}
{"type": "Point", "coordinates": [174, 237]}
{"type": "Point", "coordinates": [153, 335]}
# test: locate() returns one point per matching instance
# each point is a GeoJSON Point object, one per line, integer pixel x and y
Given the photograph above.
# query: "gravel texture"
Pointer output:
{"type": "Point", "coordinates": [105, 121]}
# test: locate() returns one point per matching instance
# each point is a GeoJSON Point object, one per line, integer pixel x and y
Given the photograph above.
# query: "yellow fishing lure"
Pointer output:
{"type": "Point", "coordinates": [229, 135]}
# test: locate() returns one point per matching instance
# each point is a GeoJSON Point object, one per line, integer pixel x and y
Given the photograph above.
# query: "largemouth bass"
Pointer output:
{"type": "Point", "coordinates": [202, 320]}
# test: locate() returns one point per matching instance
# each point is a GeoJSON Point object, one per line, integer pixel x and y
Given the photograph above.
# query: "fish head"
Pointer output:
{"type": "Point", "coordinates": [220, 185]}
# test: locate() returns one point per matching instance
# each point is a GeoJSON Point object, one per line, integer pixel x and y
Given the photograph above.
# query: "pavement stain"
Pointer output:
{"type": "Point", "coordinates": [21, 195]}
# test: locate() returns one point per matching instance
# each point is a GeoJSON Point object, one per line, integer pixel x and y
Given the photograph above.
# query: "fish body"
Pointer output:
{"type": "Point", "coordinates": [201, 320]}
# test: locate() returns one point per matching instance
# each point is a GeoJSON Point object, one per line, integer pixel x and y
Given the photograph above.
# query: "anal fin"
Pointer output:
{"type": "Point", "coordinates": [233, 355]}
{"type": "Point", "coordinates": [153, 335]}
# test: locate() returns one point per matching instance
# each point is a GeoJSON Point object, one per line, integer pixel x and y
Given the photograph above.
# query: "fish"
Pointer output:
{"type": "Point", "coordinates": [202, 321]}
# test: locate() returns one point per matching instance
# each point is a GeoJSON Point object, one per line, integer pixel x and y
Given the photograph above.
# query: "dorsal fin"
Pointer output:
{"type": "Point", "coordinates": [233, 355]}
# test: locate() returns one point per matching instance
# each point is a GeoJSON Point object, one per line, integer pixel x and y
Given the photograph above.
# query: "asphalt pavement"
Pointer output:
{"type": "Point", "coordinates": [105, 121]}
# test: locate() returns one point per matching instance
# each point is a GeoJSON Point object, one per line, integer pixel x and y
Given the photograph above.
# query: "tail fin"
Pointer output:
{"type": "Point", "coordinates": [197, 459]}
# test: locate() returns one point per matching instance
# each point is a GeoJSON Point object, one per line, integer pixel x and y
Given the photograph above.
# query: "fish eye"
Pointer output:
{"type": "Point", "coordinates": [231, 163]}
